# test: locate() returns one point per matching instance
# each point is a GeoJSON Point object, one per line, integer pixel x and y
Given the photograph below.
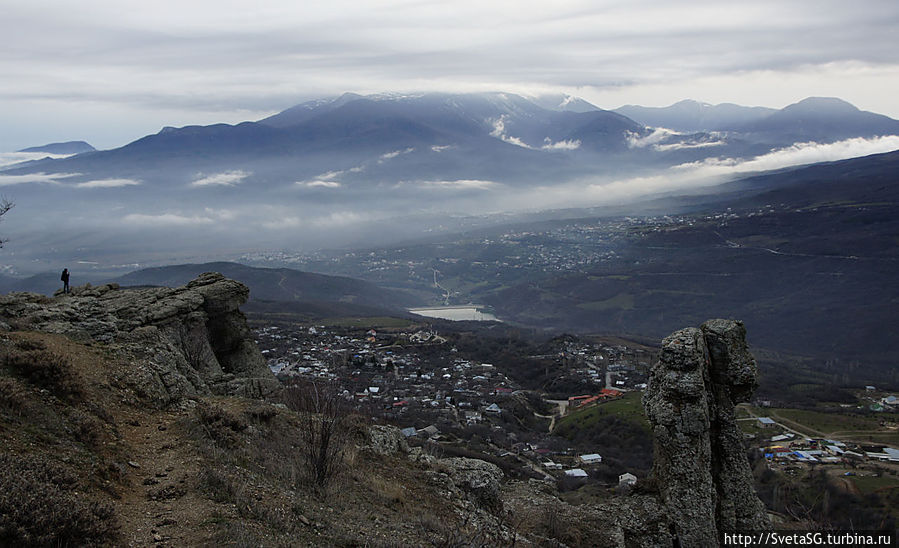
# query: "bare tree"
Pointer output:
{"type": "Point", "coordinates": [194, 346]}
{"type": "Point", "coordinates": [322, 430]}
{"type": "Point", "coordinates": [5, 206]}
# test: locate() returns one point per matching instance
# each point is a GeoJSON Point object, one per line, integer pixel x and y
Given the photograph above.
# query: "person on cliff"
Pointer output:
{"type": "Point", "coordinates": [65, 280]}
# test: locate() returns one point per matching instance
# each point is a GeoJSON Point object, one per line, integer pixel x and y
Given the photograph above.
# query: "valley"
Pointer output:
{"type": "Point", "coordinates": [469, 274]}
{"type": "Point", "coordinates": [774, 255]}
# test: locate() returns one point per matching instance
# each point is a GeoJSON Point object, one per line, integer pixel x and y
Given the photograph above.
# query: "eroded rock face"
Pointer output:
{"type": "Point", "coordinates": [186, 341]}
{"type": "Point", "coordinates": [480, 480]}
{"type": "Point", "coordinates": [700, 464]}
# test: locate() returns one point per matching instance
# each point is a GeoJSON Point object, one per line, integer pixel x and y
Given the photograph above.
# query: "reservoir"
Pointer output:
{"type": "Point", "coordinates": [456, 313]}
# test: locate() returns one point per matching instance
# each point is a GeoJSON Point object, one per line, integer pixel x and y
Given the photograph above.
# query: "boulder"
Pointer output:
{"type": "Point", "coordinates": [479, 479]}
{"type": "Point", "coordinates": [385, 441]}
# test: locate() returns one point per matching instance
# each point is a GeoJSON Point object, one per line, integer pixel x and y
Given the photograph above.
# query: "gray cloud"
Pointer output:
{"type": "Point", "coordinates": [107, 183]}
{"type": "Point", "coordinates": [51, 178]}
{"type": "Point", "coordinates": [227, 178]}
{"type": "Point", "coordinates": [10, 158]}
{"type": "Point", "coordinates": [189, 62]}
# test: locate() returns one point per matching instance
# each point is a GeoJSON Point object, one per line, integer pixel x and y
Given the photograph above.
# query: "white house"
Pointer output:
{"type": "Point", "coordinates": [576, 473]}
{"type": "Point", "coordinates": [592, 458]}
{"type": "Point", "coordinates": [626, 479]}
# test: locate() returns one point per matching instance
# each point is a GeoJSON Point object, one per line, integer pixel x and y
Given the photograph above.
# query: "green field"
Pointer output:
{"type": "Point", "coordinates": [624, 301]}
{"type": "Point", "coordinates": [828, 422]}
{"type": "Point", "coordinates": [869, 484]}
{"type": "Point", "coordinates": [627, 407]}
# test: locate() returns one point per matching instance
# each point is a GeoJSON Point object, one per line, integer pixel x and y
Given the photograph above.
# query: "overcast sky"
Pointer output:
{"type": "Point", "coordinates": [111, 71]}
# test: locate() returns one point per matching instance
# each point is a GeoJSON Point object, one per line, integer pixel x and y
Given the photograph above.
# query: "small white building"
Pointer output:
{"type": "Point", "coordinates": [493, 408]}
{"type": "Point", "coordinates": [766, 422]}
{"type": "Point", "coordinates": [626, 479]}
{"type": "Point", "coordinates": [592, 458]}
{"type": "Point", "coordinates": [576, 473]}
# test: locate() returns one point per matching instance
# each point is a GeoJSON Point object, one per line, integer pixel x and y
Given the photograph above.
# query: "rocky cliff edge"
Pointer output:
{"type": "Point", "coordinates": [184, 342]}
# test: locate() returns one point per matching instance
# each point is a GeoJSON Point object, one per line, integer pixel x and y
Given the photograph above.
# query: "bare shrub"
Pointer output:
{"type": "Point", "coordinates": [13, 397]}
{"type": "Point", "coordinates": [87, 428]}
{"type": "Point", "coordinates": [44, 369]}
{"type": "Point", "coordinates": [389, 493]}
{"type": "Point", "coordinates": [225, 488]}
{"type": "Point", "coordinates": [261, 412]}
{"type": "Point", "coordinates": [220, 425]}
{"type": "Point", "coordinates": [27, 345]}
{"type": "Point", "coordinates": [322, 431]}
{"type": "Point", "coordinates": [194, 346]}
{"type": "Point", "coordinates": [5, 206]}
{"type": "Point", "coordinates": [218, 485]}
{"type": "Point", "coordinates": [445, 534]}
{"type": "Point", "coordinates": [38, 507]}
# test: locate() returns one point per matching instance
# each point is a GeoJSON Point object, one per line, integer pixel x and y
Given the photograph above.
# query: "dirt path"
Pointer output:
{"type": "Point", "coordinates": [561, 408]}
{"type": "Point", "coordinates": [159, 505]}
{"type": "Point", "coordinates": [552, 420]}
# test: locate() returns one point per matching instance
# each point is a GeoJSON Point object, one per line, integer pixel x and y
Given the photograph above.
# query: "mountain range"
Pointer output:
{"type": "Point", "coordinates": [369, 170]}
{"type": "Point", "coordinates": [365, 140]}
{"type": "Point", "coordinates": [820, 119]}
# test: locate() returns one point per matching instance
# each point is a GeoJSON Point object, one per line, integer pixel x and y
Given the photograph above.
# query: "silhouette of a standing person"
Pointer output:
{"type": "Point", "coordinates": [65, 280]}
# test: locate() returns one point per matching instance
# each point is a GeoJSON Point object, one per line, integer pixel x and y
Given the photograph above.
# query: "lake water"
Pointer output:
{"type": "Point", "coordinates": [455, 313]}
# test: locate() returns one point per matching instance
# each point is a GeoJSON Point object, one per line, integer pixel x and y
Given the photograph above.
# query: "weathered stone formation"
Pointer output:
{"type": "Point", "coordinates": [700, 463]}
{"type": "Point", "coordinates": [186, 341]}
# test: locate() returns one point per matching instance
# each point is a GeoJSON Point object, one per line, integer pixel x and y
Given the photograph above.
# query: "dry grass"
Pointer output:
{"type": "Point", "coordinates": [31, 361]}
{"type": "Point", "coordinates": [13, 397]}
{"type": "Point", "coordinates": [390, 493]}
{"type": "Point", "coordinates": [220, 425]}
{"type": "Point", "coordinates": [39, 506]}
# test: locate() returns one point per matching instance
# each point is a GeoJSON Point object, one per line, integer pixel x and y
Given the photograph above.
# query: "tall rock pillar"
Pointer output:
{"type": "Point", "coordinates": [700, 464]}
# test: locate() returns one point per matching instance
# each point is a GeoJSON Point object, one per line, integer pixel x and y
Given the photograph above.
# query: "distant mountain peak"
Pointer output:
{"type": "Point", "coordinates": [564, 102]}
{"type": "Point", "coordinates": [690, 115]}
{"type": "Point", "coordinates": [693, 103]}
{"type": "Point", "coordinates": [67, 147]}
{"type": "Point", "coordinates": [823, 104]}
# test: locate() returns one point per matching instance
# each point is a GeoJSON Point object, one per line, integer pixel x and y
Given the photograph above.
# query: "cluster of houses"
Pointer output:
{"type": "Point", "coordinates": [394, 380]}
{"type": "Point", "coordinates": [880, 402]}
{"type": "Point", "coordinates": [825, 451]}
{"type": "Point", "coordinates": [418, 380]}
{"type": "Point", "coordinates": [606, 366]}
{"type": "Point", "coordinates": [790, 448]}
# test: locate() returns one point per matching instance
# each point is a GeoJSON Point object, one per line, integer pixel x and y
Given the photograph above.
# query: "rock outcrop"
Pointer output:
{"type": "Point", "coordinates": [183, 342]}
{"type": "Point", "coordinates": [700, 463]}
